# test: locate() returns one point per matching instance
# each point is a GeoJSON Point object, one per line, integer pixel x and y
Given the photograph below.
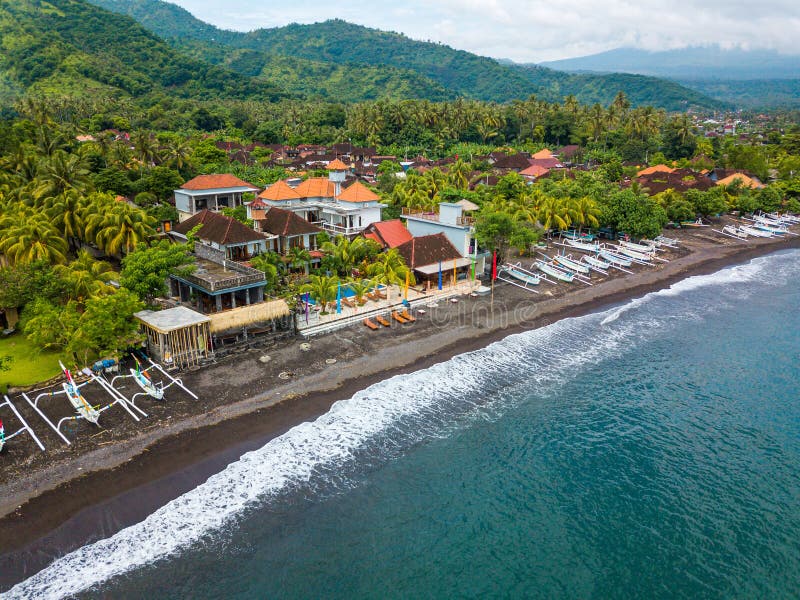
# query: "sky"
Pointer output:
{"type": "Point", "coordinates": [536, 30]}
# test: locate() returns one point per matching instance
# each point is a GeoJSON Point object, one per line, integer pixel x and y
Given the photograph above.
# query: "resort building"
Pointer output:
{"type": "Point", "coordinates": [232, 239]}
{"type": "Point", "coordinates": [285, 229]}
{"type": "Point", "coordinates": [431, 255]}
{"type": "Point", "coordinates": [211, 192]}
{"type": "Point", "coordinates": [450, 220]}
{"type": "Point", "coordinates": [326, 202]}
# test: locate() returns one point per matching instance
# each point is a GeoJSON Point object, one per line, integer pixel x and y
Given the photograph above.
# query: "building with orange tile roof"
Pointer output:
{"type": "Point", "coordinates": [213, 192]}
{"type": "Point", "coordinates": [337, 165]}
{"type": "Point", "coordinates": [543, 154]}
{"type": "Point", "coordinates": [534, 172]}
{"type": "Point", "coordinates": [744, 180]}
{"type": "Point", "coordinates": [324, 201]}
{"type": "Point", "coordinates": [389, 234]}
{"type": "Point", "coordinates": [655, 169]}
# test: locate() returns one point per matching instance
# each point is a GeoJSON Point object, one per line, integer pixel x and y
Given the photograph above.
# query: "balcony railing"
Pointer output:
{"type": "Point", "coordinates": [339, 229]}
{"type": "Point", "coordinates": [228, 274]}
{"type": "Point", "coordinates": [462, 221]}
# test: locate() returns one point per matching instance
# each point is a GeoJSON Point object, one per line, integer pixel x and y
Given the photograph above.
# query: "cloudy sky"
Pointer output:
{"type": "Point", "coordinates": [536, 30]}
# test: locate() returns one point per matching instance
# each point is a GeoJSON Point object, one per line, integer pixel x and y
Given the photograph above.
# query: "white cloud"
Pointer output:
{"type": "Point", "coordinates": [535, 30]}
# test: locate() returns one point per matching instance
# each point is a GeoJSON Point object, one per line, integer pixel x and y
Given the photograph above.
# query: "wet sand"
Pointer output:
{"type": "Point", "coordinates": [54, 502]}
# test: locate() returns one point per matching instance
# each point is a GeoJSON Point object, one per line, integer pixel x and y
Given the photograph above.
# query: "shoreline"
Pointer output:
{"type": "Point", "coordinates": [127, 482]}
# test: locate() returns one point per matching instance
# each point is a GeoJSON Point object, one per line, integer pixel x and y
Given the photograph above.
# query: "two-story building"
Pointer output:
{"type": "Point", "coordinates": [326, 201]}
{"type": "Point", "coordinates": [210, 192]}
{"type": "Point", "coordinates": [234, 240]}
{"type": "Point", "coordinates": [453, 223]}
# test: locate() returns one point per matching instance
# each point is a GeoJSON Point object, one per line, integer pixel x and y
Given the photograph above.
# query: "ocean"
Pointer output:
{"type": "Point", "coordinates": [651, 450]}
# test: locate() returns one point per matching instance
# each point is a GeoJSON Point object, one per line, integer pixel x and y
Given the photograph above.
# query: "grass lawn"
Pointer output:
{"type": "Point", "coordinates": [28, 365]}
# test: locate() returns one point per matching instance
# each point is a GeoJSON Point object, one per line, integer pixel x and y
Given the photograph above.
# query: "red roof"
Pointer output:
{"type": "Point", "coordinates": [535, 171]}
{"type": "Point", "coordinates": [388, 234]}
{"type": "Point", "coordinates": [215, 182]}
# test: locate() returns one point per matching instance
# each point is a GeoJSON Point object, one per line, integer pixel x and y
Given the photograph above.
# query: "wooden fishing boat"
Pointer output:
{"type": "Point", "coordinates": [615, 259]}
{"type": "Point", "coordinates": [570, 264]}
{"type": "Point", "coordinates": [554, 271]}
{"type": "Point", "coordinates": [72, 390]}
{"type": "Point", "coordinates": [142, 379]}
{"type": "Point", "coordinates": [527, 278]}
{"type": "Point", "coordinates": [583, 246]}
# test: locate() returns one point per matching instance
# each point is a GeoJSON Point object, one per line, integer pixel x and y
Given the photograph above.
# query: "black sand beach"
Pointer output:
{"type": "Point", "coordinates": [57, 501]}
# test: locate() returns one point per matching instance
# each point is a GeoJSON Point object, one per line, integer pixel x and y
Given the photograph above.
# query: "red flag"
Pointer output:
{"type": "Point", "coordinates": [494, 265]}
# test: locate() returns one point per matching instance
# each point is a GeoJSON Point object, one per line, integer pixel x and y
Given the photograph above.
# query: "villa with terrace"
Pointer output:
{"type": "Point", "coordinates": [327, 202]}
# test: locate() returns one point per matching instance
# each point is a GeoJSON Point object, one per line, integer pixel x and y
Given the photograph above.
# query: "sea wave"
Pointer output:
{"type": "Point", "coordinates": [395, 412]}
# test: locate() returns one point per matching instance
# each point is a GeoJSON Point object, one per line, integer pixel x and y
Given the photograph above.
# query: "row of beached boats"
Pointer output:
{"type": "Point", "coordinates": [88, 411]}
{"type": "Point", "coordinates": [761, 226]}
{"type": "Point", "coordinates": [588, 257]}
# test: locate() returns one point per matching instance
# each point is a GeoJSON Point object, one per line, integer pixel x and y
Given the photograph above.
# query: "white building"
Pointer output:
{"type": "Point", "coordinates": [325, 202]}
{"type": "Point", "coordinates": [210, 192]}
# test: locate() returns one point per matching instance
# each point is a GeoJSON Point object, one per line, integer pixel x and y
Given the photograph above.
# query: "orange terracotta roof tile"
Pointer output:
{"type": "Point", "coordinates": [215, 182]}
{"type": "Point", "coordinates": [747, 182]}
{"type": "Point", "coordinates": [316, 187]}
{"type": "Point", "coordinates": [337, 165]}
{"type": "Point", "coordinates": [358, 192]}
{"type": "Point", "coordinates": [655, 169]}
{"type": "Point", "coordinates": [535, 171]}
{"type": "Point", "coordinates": [389, 234]}
{"type": "Point", "coordinates": [543, 154]}
{"type": "Point", "coordinates": [280, 190]}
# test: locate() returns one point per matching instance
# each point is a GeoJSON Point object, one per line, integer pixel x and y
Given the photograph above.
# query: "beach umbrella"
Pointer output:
{"type": "Point", "coordinates": [440, 275]}
{"type": "Point", "coordinates": [338, 297]}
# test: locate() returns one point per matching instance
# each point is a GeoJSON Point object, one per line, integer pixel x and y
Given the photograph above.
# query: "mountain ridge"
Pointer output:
{"type": "Point", "coordinates": [458, 72]}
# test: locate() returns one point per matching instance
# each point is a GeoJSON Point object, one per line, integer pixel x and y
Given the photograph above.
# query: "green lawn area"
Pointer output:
{"type": "Point", "coordinates": [28, 365]}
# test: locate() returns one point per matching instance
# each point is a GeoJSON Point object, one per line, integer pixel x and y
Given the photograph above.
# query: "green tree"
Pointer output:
{"type": "Point", "coordinates": [389, 268]}
{"type": "Point", "coordinates": [322, 289]}
{"type": "Point", "coordinates": [146, 269]}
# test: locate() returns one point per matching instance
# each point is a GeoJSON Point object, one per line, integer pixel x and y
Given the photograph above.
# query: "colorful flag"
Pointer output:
{"type": "Point", "coordinates": [408, 279]}
{"type": "Point", "coordinates": [440, 275]}
{"type": "Point", "coordinates": [494, 265]}
{"type": "Point", "coordinates": [338, 297]}
{"type": "Point", "coordinates": [308, 297]}
{"type": "Point", "coordinates": [2, 433]}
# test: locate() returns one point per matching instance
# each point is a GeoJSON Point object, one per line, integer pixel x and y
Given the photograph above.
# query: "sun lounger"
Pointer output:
{"type": "Point", "coordinates": [382, 321]}
{"type": "Point", "coordinates": [381, 295]}
{"type": "Point", "coordinates": [407, 316]}
{"type": "Point", "coordinates": [373, 297]}
{"type": "Point", "coordinates": [370, 324]}
{"type": "Point", "coordinates": [349, 303]}
{"type": "Point", "coordinates": [398, 318]}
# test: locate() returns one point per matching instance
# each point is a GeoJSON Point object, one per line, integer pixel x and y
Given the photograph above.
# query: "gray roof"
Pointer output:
{"type": "Point", "coordinates": [171, 319]}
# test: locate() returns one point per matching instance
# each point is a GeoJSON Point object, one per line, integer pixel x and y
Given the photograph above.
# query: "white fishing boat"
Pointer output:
{"type": "Point", "coordinates": [527, 278]}
{"type": "Point", "coordinates": [763, 220]}
{"type": "Point", "coordinates": [731, 230]}
{"type": "Point", "coordinates": [583, 246]}
{"type": "Point", "coordinates": [554, 271]}
{"type": "Point", "coordinates": [72, 390]}
{"type": "Point", "coordinates": [615, 259]}
{"type": "Point", "coordinates": [666, 241]}
{"type": "Point", "coordinates": [634, 254]}
{"type": "Point", "coordinates": [641, 248]}
{"type": "Point", "coordinates": [595, 264]}
{"type": "Point", "coordinates": [572, 265]}
{"type": "Point", "coordinates": [755, 232]}
{"type": "Point", "coordinates": [142, 379]}
{"type": "Point", "coordinates": [768, 228]}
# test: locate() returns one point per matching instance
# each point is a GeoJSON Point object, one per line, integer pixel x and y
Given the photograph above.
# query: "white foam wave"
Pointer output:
{"type": "Point", "coordinates": [318, 449]}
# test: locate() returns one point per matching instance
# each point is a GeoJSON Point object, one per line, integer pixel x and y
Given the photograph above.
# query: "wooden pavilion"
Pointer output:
{"type": "Point", "coordinates": [177, 336]}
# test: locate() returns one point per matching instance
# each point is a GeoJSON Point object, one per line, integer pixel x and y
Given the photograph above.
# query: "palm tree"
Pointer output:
{"type": "Point", "coordinates": [299, 256]}
{"type": "Point", "coordinates": [389, 269]}
{"type": "Point", "coordinates": [62, 172]}
{"type": "Point", "coordinates": [322, 289]}
{"type": "Point", "coordinates": [360, 289]}
{"type": "Point", "coordinates": [119, 229]}
{"type": "Point", "coordinates": [458, 175]}
{"type": "Point", "coordinates": [87, 276]}
{"type": "Point", "coordinates": [65, 212]}
{"type": "Point", "coordinates": [585, 211]}
{"type": "Point", "coordinates": [33, 238]}
{"type": "Point", "coordinates": [554, 214]}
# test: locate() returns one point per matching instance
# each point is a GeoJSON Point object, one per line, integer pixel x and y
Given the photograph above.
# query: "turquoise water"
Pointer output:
{"type": "Point", "coordinates": [648, 451]}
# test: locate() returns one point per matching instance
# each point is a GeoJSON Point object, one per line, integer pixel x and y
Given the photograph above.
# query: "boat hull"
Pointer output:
{"type": "Point", "coordinates": [147, 386]}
